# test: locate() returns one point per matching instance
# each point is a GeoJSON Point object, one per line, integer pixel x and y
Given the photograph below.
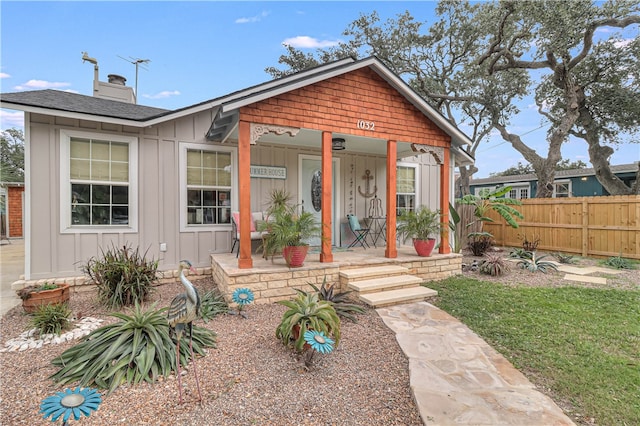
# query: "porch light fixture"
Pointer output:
{"type": "Point", "coordinates": [338, 144]}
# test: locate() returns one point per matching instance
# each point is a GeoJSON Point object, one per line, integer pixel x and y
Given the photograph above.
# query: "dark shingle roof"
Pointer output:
{"type": "Point", "coordinates": [620, 168]}
{"type": "Point", "coordinates": [73, 102]}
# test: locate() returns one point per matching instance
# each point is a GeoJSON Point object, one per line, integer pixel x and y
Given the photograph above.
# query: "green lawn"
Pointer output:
{"type": "Point", "coordinates": [583, 344]}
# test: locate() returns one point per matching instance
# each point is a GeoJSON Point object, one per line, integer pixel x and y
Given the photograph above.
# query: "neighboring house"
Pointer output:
{"type": "Point", "coordinates": [11, 206]}
{"type": "Point", "coordinates": [567, 183]}
{"type": "Point", "coordinates": [102, 172]}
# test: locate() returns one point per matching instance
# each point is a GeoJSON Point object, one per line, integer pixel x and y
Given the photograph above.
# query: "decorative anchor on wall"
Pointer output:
{"type": "Point", "coordinates": [366, 194]}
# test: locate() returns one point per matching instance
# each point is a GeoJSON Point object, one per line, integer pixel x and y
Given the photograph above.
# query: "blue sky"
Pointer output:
{"type": "Point", "coordinates": [202, 50]}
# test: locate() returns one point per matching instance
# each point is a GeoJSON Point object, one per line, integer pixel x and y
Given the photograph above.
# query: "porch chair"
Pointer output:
{"type": "Point", "coordinates": [359, 232]}
{"type": "Point", "coordinates": [235, 230]}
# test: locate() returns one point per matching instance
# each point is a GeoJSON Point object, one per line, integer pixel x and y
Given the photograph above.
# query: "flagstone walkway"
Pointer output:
{"type": "Point", "coordinates": [458, 379]}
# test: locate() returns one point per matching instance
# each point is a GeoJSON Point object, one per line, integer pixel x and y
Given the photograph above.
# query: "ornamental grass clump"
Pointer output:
{"type": "Point", "coordinates": [51, 318]}
{"type": "Point", "coordinates": [123, 276]}
{"type": "Point", "coordinates": [136, 348]}
{"type": "Point", "coordinates": [212, 304]}
{"type": "Point", "coordinates": [494, 265]}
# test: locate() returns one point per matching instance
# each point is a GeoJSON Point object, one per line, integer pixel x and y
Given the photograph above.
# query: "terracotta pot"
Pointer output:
{"type": "Point", "coordinates": [46, 297]}
{"type": "Point", "coordinates": [424, 247]}
{"type": "Point", "coordinates": [295, 255]}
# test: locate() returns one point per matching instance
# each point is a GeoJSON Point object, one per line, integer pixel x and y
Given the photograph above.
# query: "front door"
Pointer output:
{"type": "Point", "coordinates": [310, 192]}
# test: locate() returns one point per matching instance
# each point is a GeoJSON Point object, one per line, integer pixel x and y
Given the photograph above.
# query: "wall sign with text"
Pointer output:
{"type": "Point", "coordinates": [268, 172]}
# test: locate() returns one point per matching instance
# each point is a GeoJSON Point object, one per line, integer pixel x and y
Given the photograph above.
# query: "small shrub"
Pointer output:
{"type": "Point", "coordinates": [51, 318]}
{"type": "Point", "coordinates": [536, 264]}
{"type": "Point", "coordinates": [123, 276]}
{"type": "Point", "coordinates": [530, 244]}
{"type": "Point", "coordinates": [619, 262]}
{"type": "Point", "coordinates": [307, 312]}
{"type": "Point", "coordinates": [480, 242]}
{"type": "Point", "coordinates": [212, 304]}
{"type": "Point", "coordinates": [520, 253]}
{"type": "Point", "coordinates": [567, 259]}
{"type": "Point", "coordinates": [137, 347]}
{"type": "Point", "coordinates": [340, 300]}
{"type": "Point", "coordinates": [494, 265]}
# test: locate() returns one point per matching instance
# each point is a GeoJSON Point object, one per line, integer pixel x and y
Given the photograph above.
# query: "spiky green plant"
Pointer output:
{"type": "Point", "coordinates": [520, 253]}
{"type": "Point", "coordinates": [420, 224]}
{"type": "Point", "coordinates": [619, 262]}
{"type": "Point", "coordinates": [51, 318]}
{"type": "Point", "coordinates": [137, 347]}
{"type": "Point", "coordinates": [340, 300]}
{"type": "Point", "coordinates": [494, 265]}
{"type": "Point", "coordinates": [212, 303]}
{"type": "Point", "coordinates": [307, 312]}
{"type": "Point", "coordinates": [564, 258]}
{"type": "Point", "coordinates": [536, 264]}
{"type": "Point", "coordinates": [123, 276]}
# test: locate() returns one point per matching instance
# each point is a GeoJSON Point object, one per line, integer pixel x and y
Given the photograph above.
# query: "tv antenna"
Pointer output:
{"type": "Point", "coordinates": [139, 63]}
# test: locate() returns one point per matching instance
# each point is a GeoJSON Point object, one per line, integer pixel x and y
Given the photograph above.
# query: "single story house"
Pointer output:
{"type": "Point", "coordinates": [567, 183]}
{"type": "Point", "coordinates": [102, 170]}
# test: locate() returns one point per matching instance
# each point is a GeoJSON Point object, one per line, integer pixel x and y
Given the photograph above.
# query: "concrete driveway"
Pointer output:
{"type": "Point", "coordinates": [11, 268]}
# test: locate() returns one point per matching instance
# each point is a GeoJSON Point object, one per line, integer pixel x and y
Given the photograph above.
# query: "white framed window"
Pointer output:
{"type": "Point", "coordinates": [99, 188]}
{"type": "Point", "coordinates": [519, 192]}
{"type": "Point", "coordinates": [406, 187]}
{"type": "Point", "coordinates": [206, 186]}
{"type": "Point", "coordinates": [562, 189]}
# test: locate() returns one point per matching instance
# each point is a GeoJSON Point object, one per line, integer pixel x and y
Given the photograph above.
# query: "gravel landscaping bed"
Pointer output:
{"type": "Point", "coordinates": [250, 378]}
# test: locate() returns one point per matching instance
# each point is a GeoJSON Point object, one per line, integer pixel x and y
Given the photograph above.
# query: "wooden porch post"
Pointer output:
{"type": "Point", "coordinates": [327, 196]}
{"type": "Point", "coordinates": [444, 202]}
{"type": "Point", "coordinates": [391, 250]}
{"type": "Point", "coordinates": [244, 194]}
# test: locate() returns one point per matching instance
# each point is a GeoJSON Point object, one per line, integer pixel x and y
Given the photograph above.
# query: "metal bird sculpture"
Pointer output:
{"type": "Point", "coordinates": [183, 311]}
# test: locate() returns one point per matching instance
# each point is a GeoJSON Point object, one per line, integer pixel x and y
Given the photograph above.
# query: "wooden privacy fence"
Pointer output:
{"type": "Point", "coordinates": [590, 226]}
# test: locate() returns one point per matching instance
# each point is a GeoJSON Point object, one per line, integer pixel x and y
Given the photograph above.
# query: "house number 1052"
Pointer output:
{"type": "Point", "coordinates": [366, 125]}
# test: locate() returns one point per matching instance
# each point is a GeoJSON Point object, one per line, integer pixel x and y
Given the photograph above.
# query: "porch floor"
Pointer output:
{"type": "Point", "coordinates": [272, 280]}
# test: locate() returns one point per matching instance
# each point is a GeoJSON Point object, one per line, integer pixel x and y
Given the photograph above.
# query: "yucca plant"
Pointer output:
{"type": "Point", "coordinates": [51, 318]}
{"type": "Point", "coordinates": [212, 303]}
{"type": "Point", "coordinates": [340, 300]}
{"type": "Point", "coordinates": [536, 264]}
{"type": "Point", "coordinates": [123, 276]}
{"type": "Point", "coordinates": [619, 262]}
{"type": "Point", "coordinates": [307, 312]}
{"type": "Point", "coordinates": [520, 253]}
{"type": "Point", "coordinates": [493, 265]}
{"type": "Point", "coordinates": [138, 347]}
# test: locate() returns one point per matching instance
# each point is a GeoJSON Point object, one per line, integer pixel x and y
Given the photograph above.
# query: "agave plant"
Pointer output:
{"type": "Point", "coordinates": [340, 300]}
{"type": "Point", "coordinates": [493, 265]}
{"type": "Point", "coordinates": [136, 348]}
{"type": "Point", "coordinates": [307, 312]}
{"type": "Point", "coordinates": [535, 264]}
{"type": "Point", "coordinates": [212, 304]}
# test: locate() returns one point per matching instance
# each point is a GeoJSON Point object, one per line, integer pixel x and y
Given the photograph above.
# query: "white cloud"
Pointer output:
{"type": "Point", "coordinates": [41, 84]}
{"type": "Point", "coordinates": [163, 95]}
{"type": "Point", "coordinates": [306, 42]}
{"type": "Point", "coordinates": [4, 75]}
{"type": "Point", "coordinates": [10, 119]}
{"type": "Point", "coordinates": [252, 19]}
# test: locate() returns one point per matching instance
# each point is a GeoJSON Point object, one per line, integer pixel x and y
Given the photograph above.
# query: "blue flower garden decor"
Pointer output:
{"type": "Point", "coordinates": [76, 402]}
{"type": "Point", "coordinates": [317, 341]}
{"type": "Point", "coordinates": [242, 297]}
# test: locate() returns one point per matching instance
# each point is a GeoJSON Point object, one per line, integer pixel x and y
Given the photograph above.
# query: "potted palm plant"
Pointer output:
{"type": "Point", "coordinates": [422, 225]}
{"type": "Point", "coordinates": [288, 230]}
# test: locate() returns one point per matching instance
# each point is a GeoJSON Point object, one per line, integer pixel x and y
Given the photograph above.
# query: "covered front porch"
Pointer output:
{"type": "Point", "coordinates": [272, 280]}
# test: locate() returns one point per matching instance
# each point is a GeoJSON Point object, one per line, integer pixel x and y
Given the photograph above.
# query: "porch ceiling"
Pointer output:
{"type": "Point", "coordinates": [313, 138]}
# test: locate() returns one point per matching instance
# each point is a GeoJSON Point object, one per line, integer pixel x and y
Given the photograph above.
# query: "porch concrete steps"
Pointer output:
{"type": "Point", "coordinates": [385, 285]}
{"type": "Point", "coordinates": [395, 297]}
{"type": "Point", "coordinates": [372, 272]}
